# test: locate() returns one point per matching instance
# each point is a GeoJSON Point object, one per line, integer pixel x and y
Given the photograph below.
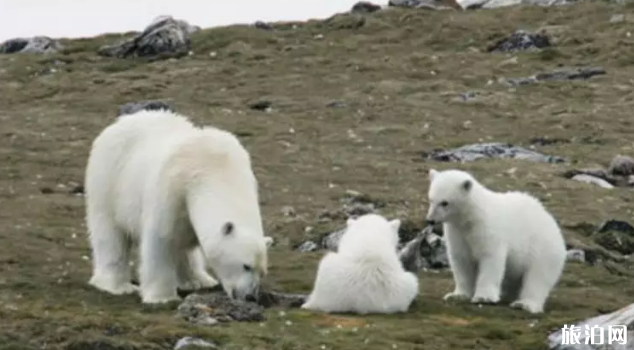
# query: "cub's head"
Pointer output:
{"type": "Point", "coordinates": [240, 261]}
{"type": "Point", "coordinates": [449, 194]}
{"type": "Point", "coordinates": [371, 227]}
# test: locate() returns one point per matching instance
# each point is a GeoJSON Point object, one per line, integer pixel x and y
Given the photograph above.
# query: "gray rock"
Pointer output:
{"type": "Point", "coordinates": [133, 107]}
{"type": "Point", "coordinates": [288, 211]}
{"type": "Point", "coordinates": [474, 152]}
{"type": "Point", "coordinates": [618, 18]}
{"type": "Point", "coordinates": [277, 299]}
{"type": "Point", "coordinates": [592, 180]}
{"type": "Point", "coordinates": [197, 342]}
{"type": "Point", "coordinates": [520, 40]}
{"type": "Point", "coordinates": [164, 36]}
{"type": "Point", "coordinates": [616, 226]}
{"type": "Point", "coordinates": [564, 74]}
{"type": "Point", "coordinates": [621, 166]}
{"type": "Point", "coordinates": [331, 240]}
{"type": "Point", "coordinates": [210, 309]}
{"type": "Point", "coordinates": [263, 25]}
{"type": "Point", "coordinates": [576, 255]}
{"type": "Point", "coordinates": [419, 4]}
{"type": "Point", "coordinates": [603, 324]}
{"type": "Point", "coordinates": [427, 251]}
{"type": "Point", "coordinates": [308, 246]}
{"type": "Point", "coordinates": [37, 44]}
{"type": "Point", "coordinates": [365, 7]}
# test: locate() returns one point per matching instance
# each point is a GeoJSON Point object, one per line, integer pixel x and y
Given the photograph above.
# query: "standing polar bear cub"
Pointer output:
{"type": "Point", "coordinates": [500, 245]}
{"type": "Point", "coordinates": [186, 195]}
{"type": "Point", "coordinates": [365, 275]}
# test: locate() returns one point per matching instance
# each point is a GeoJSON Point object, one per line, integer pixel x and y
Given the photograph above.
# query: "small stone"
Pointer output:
{"type": "Point", "coordinates": [592, 180]}
{"type": "Point", "coordinates": [618, 18]}
{"type": "Point", "coordinates": [197, 342]}
{"type": "Point", "coordinates": [365, 7]}
{"type": "Point", "coordinates": [336, 104]}
{"type": "Point", "coordinates": [46, 190]}
{"type": "Point", "coordinates": [150, 105]}
{"type": "Point", "coordinates": [308, 246]}
{"type": "Point", "coordinates": [263, 25]}
{"type": "Point", "coordinates": [520, 40]}
{"type": "Point", "coordinates": [261, 105]}
{"type": "Point", "coordinates": [288, 211]}
{"type": "Point", "coordinates": [621, 166]}
{"type": "Point", "coordinates": [576, 255]}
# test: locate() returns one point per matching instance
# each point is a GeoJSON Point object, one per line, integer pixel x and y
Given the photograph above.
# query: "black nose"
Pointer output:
{"type": "Point", "coordinates": [250, 298]}
{"type": "Point", "coordinates": [430, 222]}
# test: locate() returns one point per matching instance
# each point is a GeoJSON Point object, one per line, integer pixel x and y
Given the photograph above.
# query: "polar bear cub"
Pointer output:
{"type": "Point", "coordinates": [500, 244]}
{"type": "Point", "coordinates": [186, 195]}
{"type": "Point", "coordinates": [365, 275]}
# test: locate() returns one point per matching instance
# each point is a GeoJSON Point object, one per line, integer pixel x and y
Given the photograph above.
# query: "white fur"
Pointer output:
{"type": "Point", "coordinates": [156, 180]}
{"type": "Point", "coordinates": [365, 275]}
{"type": "Point", "coordinates": [500, 245]}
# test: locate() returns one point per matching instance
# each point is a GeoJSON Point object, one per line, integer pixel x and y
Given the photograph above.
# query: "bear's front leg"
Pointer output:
{"type": "Point", "coordinates": [192, 274]}
{"type": "Point", "coordinates": [491, 269]}
{"type": "Point", "coordinates": [462, 267]}
{"type": "Point", "coordinates": [158, 263]}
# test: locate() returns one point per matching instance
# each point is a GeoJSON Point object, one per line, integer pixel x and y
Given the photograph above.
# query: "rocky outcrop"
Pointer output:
{"type": "Point", "coordinates": [165, 37]}
{"type": "Point", "coordinates": [37, 44]}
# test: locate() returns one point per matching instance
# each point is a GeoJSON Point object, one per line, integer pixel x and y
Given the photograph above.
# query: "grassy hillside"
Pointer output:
{"type": "Point", "coordinates": [397, 77]}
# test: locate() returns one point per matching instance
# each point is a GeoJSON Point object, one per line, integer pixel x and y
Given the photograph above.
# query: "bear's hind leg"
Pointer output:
{"type": "Point", "coordinates": [192, 274]}
{"type": "Point", "coordinates": [157, 268]}
{"type": "Point", "coordinates": [111, 256]}
{"type": "Point", "coordinates": [536, 286]}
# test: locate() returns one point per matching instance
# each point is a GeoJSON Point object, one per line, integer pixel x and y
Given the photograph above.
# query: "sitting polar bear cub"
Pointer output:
{"type": "Point", "coordinates": [500, 245]}
{"type": "Point", "coordinates": [186, 195]}
{"type": "Point", "coordinates": [365, 275]}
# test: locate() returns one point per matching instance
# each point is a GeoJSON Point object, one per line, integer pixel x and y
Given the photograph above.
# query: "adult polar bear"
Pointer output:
{"type": "Point", "coordinates": [186, 195]}
{"type": "Point", "coordinates": [499, 244]}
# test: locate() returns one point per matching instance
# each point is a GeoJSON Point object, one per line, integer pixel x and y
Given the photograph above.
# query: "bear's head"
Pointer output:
{"type": "Point", "coordinates": [239, 260]}
{"type": "Point", "coordinates": [450, 195]}
{"type": "Point", "coordinates": [370, 228]}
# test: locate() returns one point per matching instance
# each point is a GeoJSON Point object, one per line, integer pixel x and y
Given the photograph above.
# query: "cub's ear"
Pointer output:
{"type": "Point", "coordinates": [228, 228]}
{"type": "Point", "coordinates": [395, 225]}
{"type": "Point", "coordinates": [431, 174]}
{"type": "Point", "coordinates": [467, 185]}
{"type": "Point", "coordinates": [268, 241]}
{"type": "Point", "coordinates": [350, 221]}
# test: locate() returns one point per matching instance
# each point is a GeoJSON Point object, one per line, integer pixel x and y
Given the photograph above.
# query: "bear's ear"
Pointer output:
{"type": "Point", "coordinates": [431, 174]}
{"type": "Point", "coordinates": [350, 221]}
{"type": "Point", "coordinates": [395, 225]}
{"type": "Point", "coordinates": [268, 241]}
{"type": "Point", "coordinates": [228, 228]}
{"type": "Point", "coordinates": [467, 185]}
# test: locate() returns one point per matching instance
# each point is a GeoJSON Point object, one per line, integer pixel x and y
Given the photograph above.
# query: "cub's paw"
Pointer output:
{"type": "Point", "coordinates": [456, 295]}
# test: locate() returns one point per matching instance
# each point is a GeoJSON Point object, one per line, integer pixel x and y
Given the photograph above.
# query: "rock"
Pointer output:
{"type": "Point", "coordinates": [194, 342]}
{"type": "Point", "coordinates": [618, 18]}
{"type": "Point", "coordinates": [133, 107]}
{"type": "Point", "coordinates": [308, 246]}
{"type": "Point", "coordinates": [474, 152]}
{"type": "Point", "coordinates": [592, 180]}
{"type": "Point", "coordinates": [46, 190]}
{"type": "Point", "coordinates": [288, 211]}
{"type": "Point", "coordinates": [618, 323]}
{"type": "Point", "coordinates": [576, 255]}
{"type": "Point", "coordinates": [547, 141]}
{"type": "Point", "coordinates": [165, 36]}
{"type": "Point", "coordinates": [520, 40]}
{"type": "Point", "coordinates": [79, 189]}
{"type": "Point", "coordinates": [276, 299]}
{"type": "Point", "coordinates": [215, 307]}
{"type": "Point", "coordinates": [564, 74]}
{"type": "Point", "coordinates": [428, 4]}
{"type": "Point", "coordinates": [621, 166]}
{"type": "Point", "coordinates": [210, 309]}
{"type": "Point", "coordinates": [616, 225]}
{"type": "Point", "coordinates": [616, 236]}
{"type": "Point", "coordinates": [263, 25]}
{"type": "Point", "coordinates": [365, 7]}
{"type": "Point", "coordinates": [36, 44]}
{"type": "Point", "coordinates": [428, 250]}
{"type": "Point", "coordinates": [331, 240]}
{"type": "Point", "coordinates": [261, 105]}
{"type": "Point", "coordinates": [336, 104]}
